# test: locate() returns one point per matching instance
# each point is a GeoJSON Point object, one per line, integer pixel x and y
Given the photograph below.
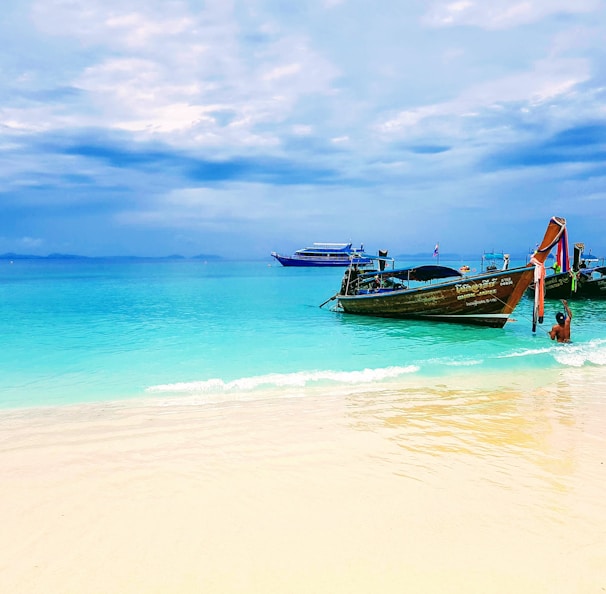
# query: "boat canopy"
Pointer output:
{"type": "Point", "coordinates": [589, 258]}
{"type": "Point", "coordinates": [416, 273]}
{"type": "Point", "coordinates": [598, 269]}
{"type": "Point", "coordinates": [493, 256]}
{"type": "Point", "coordinates": [379, 257]}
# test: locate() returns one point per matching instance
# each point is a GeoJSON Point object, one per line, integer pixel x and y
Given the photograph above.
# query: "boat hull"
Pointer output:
{"type": "Point", "coordinates": [320, 262]}
{"type": "Point", "coordinates": [559, 286]}
{"type": "Point", "coordinates": [485, 300]}
{"type": "Point", "coordinates": [592, 289]}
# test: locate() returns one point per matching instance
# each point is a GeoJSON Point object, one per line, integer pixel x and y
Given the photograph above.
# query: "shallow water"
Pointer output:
{"type": "Point", "coordinates": [88, 331]}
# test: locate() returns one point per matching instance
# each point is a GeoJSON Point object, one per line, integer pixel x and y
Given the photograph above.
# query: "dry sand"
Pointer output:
{"type": "Point", "coordinates": [454, 491]}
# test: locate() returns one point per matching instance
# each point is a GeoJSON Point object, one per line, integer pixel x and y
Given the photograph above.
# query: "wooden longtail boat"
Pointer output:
{"type": "Point", "coordinates": [584, 280]}
{"type": "Point", "coordinates": [592, 283]}
{"type": "Point", "coordinates": [443, 294]}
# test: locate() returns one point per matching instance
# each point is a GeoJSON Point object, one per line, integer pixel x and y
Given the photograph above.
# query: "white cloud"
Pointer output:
{"type": "Point", "coordinates": [384, 107]}
{"type": "Point", "coordinates": [299, 130]}
{"type": "Point", "coordinates": [548, 80]}
{"type": "Point", "coordinates": [99, 22]}
{"type": "Point", "coordinates": [282, 72]}
{"type": "Point", "coordinates": [31, 120]}
{"type": "Point", "coordinates": [502, 14]}
{"type": "Point", "coordinates": [31, 242]}
{"type": "Point", "coordinates": [168, 73]}
{"type": "Point", "coordinates": [200, 207]}
{"type": "Point", "coordinates": [138, 31]}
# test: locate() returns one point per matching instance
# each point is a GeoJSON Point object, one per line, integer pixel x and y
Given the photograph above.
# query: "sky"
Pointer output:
{"type": "Point", "coordinates": [236, 128]}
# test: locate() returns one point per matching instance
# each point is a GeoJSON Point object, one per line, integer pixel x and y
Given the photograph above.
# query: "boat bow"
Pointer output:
{"type": "Point", "coordinates": [556, 230]}
{"type": "Point", "coordinates": [443, 294]}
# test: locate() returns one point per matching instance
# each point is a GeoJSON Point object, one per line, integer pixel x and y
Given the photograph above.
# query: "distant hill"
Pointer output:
{"type": "Point", "coordinates": [425, 255]}
{"type": "Point", "coordinates": [13, 256]}
{"type": "Point", "coordinates": [450, 256]}
{"type": "Point", "coordinates": [207, 257]}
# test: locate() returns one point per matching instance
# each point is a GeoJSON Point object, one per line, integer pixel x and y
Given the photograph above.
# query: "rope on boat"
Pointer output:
{"type": "Point", "coordinates": [532, 320]}
{"type": "Point", "coordinates": [555, 241]}
{"type": "Point", "coordinates": [539, 278]}
{"type": "Point", "coordinates": [575, 274]}
{"type": "Point", "coordinates": [539, 293]}
{"type": "Point", "coordinates": [538, 312]}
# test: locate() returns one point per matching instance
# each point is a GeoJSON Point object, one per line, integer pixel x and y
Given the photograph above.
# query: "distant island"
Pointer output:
{"type": "Point", "coordinates": [13, 256]}
{"type": "Point", "coordinates": [450, 256]}
{"type": "Point", "coordinates": [418, 257]}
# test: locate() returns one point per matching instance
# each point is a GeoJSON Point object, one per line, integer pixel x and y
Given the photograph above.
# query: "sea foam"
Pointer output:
{"type": "Point", "coordinates": [283, 380]}
{"type": "Point", "coordinates": [578, 355]}
{"type": "Point", "coordinates": [570, 354]}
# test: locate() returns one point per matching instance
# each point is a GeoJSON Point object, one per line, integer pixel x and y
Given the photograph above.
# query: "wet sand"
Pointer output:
{"type": "Point", "coordinates": [433, 489]}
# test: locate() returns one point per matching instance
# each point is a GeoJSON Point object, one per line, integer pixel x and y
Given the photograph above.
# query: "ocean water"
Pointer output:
{"type": "Point", "coordinates": [228, 435]}
{"type": "Point", "coordinates": [103, 330]}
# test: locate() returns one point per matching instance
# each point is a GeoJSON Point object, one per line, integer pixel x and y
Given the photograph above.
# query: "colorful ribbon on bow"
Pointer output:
{"type": "Point", "coordinates": [539, 288]}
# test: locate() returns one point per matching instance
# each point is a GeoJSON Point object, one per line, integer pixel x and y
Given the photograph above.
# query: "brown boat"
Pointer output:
{"type": "Point", "coordinates": [443, 294]}
{"type": "Point", "coordinates": [584, 280]}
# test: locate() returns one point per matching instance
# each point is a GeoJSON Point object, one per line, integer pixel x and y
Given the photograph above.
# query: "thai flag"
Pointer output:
{"type": "Point", "coordinates": [436, 250]}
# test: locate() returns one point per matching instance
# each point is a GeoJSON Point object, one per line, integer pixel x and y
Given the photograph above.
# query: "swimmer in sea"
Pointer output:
{"type": "Point", "coordinates": [561, 330]}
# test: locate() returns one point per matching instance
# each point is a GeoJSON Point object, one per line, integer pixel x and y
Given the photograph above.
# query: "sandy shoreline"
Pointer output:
{"type": "Point", "coordinates": [372, 492]}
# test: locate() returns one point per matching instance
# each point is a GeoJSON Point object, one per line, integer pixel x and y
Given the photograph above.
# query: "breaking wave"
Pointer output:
{"type": "Point", "coordinates": [578, 355]}
{"type": "Point", "coordinates": [284, 380]}
{"type": "Point", "coordinates": [572, 354]}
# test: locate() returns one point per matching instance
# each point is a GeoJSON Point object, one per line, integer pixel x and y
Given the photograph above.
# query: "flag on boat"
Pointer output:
{"type": "Point", "coordinates": [562, 258]}
{"type": "Point", "coordinates": [436, 250]}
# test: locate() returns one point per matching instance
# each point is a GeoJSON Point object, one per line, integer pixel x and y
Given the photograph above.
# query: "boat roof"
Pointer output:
{"type": "Point", "coordinates": [331, 245]}
{"type": "Point", "coordinates": [599, 269]}
{"type": "Point", "coordinates": [589, 258]}
{"type": "Point", "coordinates": [418, 273]}
{"type": "Point", "coordinates": [493, 256]}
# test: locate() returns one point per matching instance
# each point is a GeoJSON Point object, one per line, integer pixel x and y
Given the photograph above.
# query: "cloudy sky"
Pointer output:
{"type": "Point", "coordinates": [154, 127]}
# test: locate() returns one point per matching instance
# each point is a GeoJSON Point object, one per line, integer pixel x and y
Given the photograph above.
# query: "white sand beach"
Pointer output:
{"type": "Point", "coordinates": [443, 490]}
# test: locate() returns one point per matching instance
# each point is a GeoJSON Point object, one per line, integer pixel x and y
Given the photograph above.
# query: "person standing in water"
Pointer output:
{"type": "Point", "coordinates": [561, 330]}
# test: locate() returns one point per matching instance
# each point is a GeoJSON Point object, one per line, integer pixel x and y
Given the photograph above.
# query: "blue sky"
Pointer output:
{"type": "Point", "coordinates": [155, 127]}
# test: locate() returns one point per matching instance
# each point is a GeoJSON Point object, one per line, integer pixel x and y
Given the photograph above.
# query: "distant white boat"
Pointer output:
{"type": "Point", "coordinates": [326, 254]}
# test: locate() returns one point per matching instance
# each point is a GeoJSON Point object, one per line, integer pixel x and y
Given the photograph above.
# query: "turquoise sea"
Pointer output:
{"type": "Point", "coordinates": [94, 330]}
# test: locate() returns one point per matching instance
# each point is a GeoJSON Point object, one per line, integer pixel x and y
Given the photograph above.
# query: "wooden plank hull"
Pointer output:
{"type": "Point", "coordinates": [592, 289]}
{"type": "Point", "coordinates": [485, 300]}
{"type": "Point", "coordinates": [559, 286]}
